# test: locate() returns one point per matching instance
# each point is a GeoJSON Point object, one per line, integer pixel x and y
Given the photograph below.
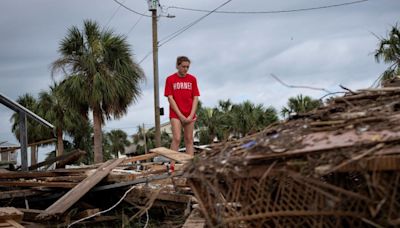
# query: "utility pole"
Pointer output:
{"type": "Point", "coordinates": [153, 4]}
{"type": "Point", "coordinates": [144, 138]}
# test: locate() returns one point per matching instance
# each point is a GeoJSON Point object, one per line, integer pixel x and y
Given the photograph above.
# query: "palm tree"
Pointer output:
{"type": "Point", "coordinates": [100, 75]}
{"type": "Point", "coordinates": [248, 118]}
{"type": "Point", "coordinates": [209, 124]}
{"type": "Point", "coordinates": [53, 108]}
{"type": "Point", "coordinates": [36, 132]}
{"type": "Point", "coordinates": [299, 104]}
{"type": "Point", "coordinates": [389, 51]}
{"type": "Point", "coordinates": [117, 141]}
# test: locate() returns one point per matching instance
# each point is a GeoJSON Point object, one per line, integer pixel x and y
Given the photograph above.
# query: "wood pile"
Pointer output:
{"type": "Point", "coordinates": [69, 196]}
{"type": "Point", "coordinates": [10, 217]}
{"type": "Point", "coordinates": [336, 166]}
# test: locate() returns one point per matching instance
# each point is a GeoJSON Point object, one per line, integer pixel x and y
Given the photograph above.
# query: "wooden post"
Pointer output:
{"type": "Point", "coordinates": [23, 140]}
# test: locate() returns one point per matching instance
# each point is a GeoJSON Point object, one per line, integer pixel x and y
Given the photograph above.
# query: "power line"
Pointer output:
{"type": "Point", "coordinates": [183, 29]}
{"type": "Point", "coordinates": [272, 11]}
{"type": "Point", "coordinates": [133, 11]}
{"type": "Point", "coordinates": [145, 57]}
{"type": "Point", "coordinates": [137, 22]}
{"type": "Point", "coordinates": [113, 15]}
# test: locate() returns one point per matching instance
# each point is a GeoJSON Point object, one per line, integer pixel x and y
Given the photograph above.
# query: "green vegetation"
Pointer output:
{"type": "Point", "coordinates": [99, 75]}
{"type": "Point", "coordinates": [388, 51]}
{"type": "Point", "coordinates": [114, 142]}
{"type": "Point", "coordinates": [36, 131]}
{"type": "Point", "coordinates": [232, 120]}
{"type": "Point", "coordinates": [299, 104]}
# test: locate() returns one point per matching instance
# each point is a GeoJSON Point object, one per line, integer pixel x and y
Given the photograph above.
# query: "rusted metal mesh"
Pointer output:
{"type": "Point", "coordinates": [335, 167]}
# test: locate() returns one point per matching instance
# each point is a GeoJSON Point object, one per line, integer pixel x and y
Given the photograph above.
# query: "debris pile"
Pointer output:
{"type": "Point", "coordinates": [83, 195]}
{"type": "Point", "coordinates": [337, 166]}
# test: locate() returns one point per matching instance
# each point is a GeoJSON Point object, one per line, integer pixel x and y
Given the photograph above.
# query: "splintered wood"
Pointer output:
{"type": "Point", "coordinates": [336, 166]}
{"type": "Point", "coordinates": [10, 217]}
{"type": "Point", "coordinates": [68, 194]}
{"type": "Point", "coordinates": [65, 202]}
{"type": "Point", "coordinates": [174, 155]}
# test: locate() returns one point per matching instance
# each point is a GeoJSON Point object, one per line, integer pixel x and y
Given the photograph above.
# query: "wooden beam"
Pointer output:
{"type": "Point", "coordinates": [63, 178]}
{"type": "Point", "coordinates": [14, 224]}
{"type": "Point", "coordinates": [22, 174]}
{"type": "Point", "coordinates": [38, 184]}
{"type": "Point", "coordinates": [137, 193]}
{"type": "Point", "coordinates": [171, 154]}
{"type": "Point", "coordinates": [30, 144]}
{"type": "Point", "coordinates": [74, 154]}
{"type": "Point", "coordinates": [140, 158]}
{"type": "Point", "coordinates": [71, 197]}
{"type": "Point", "coordinates": [194, 220]}
{"type": "Point", "coordinates": [12, 213]}
{"type": "Point", "coordinates": [19, 193]}
{"type": "Point", "coordinates": [137, 181]}
{"type": "Point", "coordinates": [30, 214]}
{"type": "Point", "coordinates": [23, 139]}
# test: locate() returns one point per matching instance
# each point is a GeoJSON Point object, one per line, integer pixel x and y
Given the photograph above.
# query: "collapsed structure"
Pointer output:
{"type": "Point", "coordinates": [337, 166]}
{"type": "Point", "coordinates": [83, 195]}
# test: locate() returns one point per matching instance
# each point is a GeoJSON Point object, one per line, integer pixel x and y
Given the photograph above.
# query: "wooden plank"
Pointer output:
{"type": "Point", "coordinates": [323, 141]}
{"type": "Point", "coordinates": [29, 145]}
{"type": "Point", "coordinates": [22, 174]}
{"type": "Point", "coordinates": [73, 155]}
{"type": "Point", "coordinates": [70, 159]}
{"type": "Point", "coordinates": [5, 224]}
{"type": "Point", "coordinates": [30, 214]}
{"type": "Point", "coordinates": [19, 193]}
{"type": "Point", "coordinates": [12, 213]}
{"type": "Point", "coordinates": [374, 163]}
{"type": "Point", "coordinates": [137, 193]}
{"type": "Point", "coordinates": [146, 179]}
{"type": "Point", "coordinates": [194, 220]}
{"type": "Point", "coordinates": [140, 158]}
{"type": "Point", "coordinates": [171, 154]}
{"type": "Point", "coordinates": [23, 139]}
{"type": "Point", "coordinates": [71, 197]}
{"type": "Point", "coordinates": [63, 178]}
{"type": "Point", "coordinates": [38, 184]}
{"type": "Point", "coordinates": [14, 224]}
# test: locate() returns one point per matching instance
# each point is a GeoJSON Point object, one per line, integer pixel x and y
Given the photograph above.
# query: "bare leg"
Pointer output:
{"type": "Point", "coordinates": [176, 136]}
{"type": "Point", "coordinates": [188, 137]}
{"type": "Point", "coordinates": [176, 133]}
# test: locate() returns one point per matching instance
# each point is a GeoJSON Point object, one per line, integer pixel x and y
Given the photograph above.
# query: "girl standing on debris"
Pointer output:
{"type": "Point", "coordinates": [183, 97]}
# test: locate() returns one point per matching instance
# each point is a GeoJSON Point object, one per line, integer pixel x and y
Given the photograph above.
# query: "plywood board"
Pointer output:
{"type": "Point", "coordinates": [171, 154]}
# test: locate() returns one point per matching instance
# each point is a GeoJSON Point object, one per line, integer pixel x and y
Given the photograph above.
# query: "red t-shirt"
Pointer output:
{"type": "Point", "coordinates": [183, 90]}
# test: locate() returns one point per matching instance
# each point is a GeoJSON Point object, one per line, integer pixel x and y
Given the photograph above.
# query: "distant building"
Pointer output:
{"type": "Point", "coordinates": [10, 155]}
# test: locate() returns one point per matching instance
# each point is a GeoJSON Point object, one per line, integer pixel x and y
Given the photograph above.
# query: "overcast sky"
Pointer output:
{"type": "Point", "coordinates": [232, 55]}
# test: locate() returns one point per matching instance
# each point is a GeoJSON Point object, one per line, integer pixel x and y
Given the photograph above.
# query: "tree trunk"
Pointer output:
{"type": "Point", "coordinates": [60, 143]}
{"type": "Point", "coordinates": [98, 150]}
{"type": "Point", "coordinates": [33, 155]}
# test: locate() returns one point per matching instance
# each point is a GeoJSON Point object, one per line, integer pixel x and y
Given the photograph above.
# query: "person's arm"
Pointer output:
{"type": "Point", "coordinates": [174, 107]}
{"type": "Point", "coordinates": [194, 108]}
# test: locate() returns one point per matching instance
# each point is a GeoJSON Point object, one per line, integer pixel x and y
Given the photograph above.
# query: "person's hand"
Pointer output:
{"type": "Point", "coordinates": [191, 118]}
{"type": "Point", "coordinates": [183, 120]}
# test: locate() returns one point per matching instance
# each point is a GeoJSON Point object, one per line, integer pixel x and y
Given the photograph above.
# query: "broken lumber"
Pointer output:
{"type": "Point", "coordinates": [140, 157]}
{"type": "Point", "coordinates": [10, 213]}
{"type": "Point", "coordinates": [71, 197]}
{"type": "Point", "coordinates": [171, 154]}
{"type": "Point", "coordinates": [65, 158]}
